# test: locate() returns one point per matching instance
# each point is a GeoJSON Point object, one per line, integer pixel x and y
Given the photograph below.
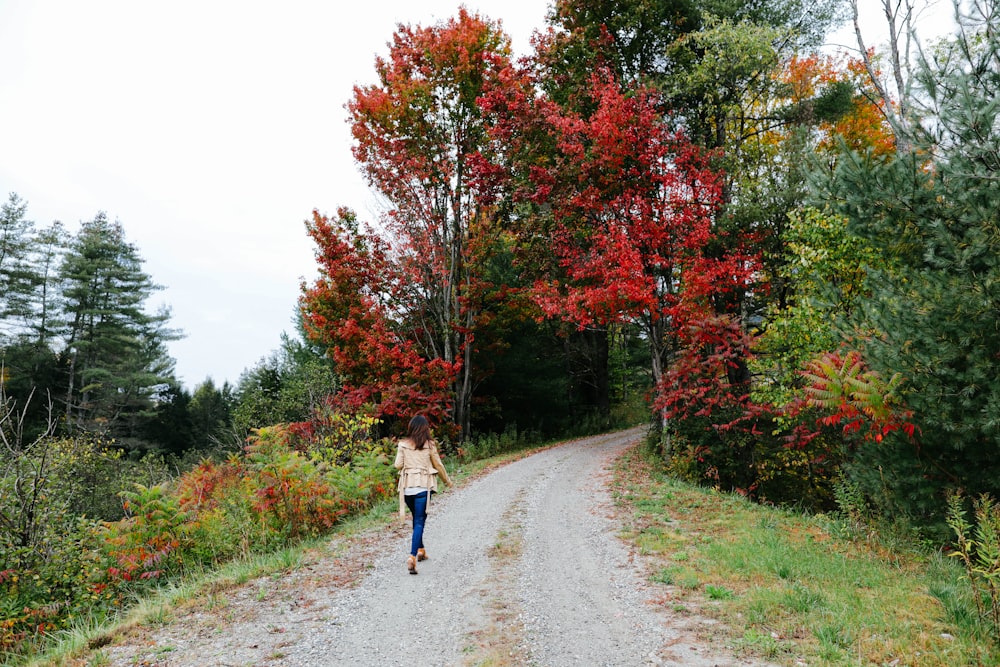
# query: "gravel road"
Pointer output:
{"type": "Point", "coordinates": [525, 568]}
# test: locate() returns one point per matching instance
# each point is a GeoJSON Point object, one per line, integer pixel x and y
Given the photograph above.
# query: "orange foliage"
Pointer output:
{"type": "Point", "coordinates": [864, 127]}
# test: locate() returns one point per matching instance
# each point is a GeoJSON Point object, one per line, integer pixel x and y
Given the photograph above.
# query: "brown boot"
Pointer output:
{"type": "Point", "coordinates": [411, 564]}
{"type": "Point", "coordinates": [421, 554]}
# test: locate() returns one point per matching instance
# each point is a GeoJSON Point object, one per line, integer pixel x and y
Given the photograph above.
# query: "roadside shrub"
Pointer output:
{"type": "Point", "coordinates": [220, 500]}
{"type": "Point", "coordinates": [91, 473]}
{"type": "Point", "coordinates": [840, 417]}
{"type": "Point", "coordinates": [266, 497]}
{"type": "Point", "coordinates": [762, 462]}
{"type": "Point", "coordinates": [490, 444]}
{"type": "Point", "coordinates": [56, 566]}
{"type": "Point", "coordinates": [53, 490]}
{"type": "Point", "coordinates": [368, 479]}
{"type": "Point", "coordinates": [152, 540]}
{"type": "Point", "coordinates": [335, 436]}
{"type": "Point", "coordinates": [290, 492]}
{"type": "Point", "coordinates": [47, 595]}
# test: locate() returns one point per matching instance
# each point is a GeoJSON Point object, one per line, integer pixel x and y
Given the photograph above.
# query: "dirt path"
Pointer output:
{"type": "Point", "coordinates": [525, 568]}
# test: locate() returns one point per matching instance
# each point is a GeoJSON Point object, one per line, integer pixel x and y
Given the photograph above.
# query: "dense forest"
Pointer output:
{"type": "Point", "coordinates": [682, 213]}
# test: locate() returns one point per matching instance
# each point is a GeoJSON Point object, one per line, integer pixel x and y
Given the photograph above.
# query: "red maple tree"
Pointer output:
{"type": "Point", "coordinates": [349, 310]}
{"type": "Point", "coordinates": [416, 132]}
{"type": "Point", "coordinates": [624, 207]}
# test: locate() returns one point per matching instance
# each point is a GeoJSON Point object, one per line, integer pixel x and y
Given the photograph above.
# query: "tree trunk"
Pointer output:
{"type": "Point", "coordinates": [896, 112]}
{"type": "Point", "coordinates": [596, 340]}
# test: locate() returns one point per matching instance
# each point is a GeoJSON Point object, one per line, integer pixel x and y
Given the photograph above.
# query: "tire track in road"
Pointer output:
{"type": "Point", "coordinates": [501, 640]}
{"type": "Point", "coordinates": [583, 598]}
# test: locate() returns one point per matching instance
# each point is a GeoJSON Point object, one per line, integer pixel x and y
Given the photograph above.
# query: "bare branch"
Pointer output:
{"type": "Point", "coordinates": [898, 120]}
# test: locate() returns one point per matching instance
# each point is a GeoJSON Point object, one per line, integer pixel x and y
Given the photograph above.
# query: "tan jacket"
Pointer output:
{"type": "Point", "coordinates": [418, 467]}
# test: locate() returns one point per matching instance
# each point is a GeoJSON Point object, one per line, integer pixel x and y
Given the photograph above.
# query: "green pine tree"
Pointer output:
{"type": "Point", "coordinates": [210, 410]}
{"type": "Point", "coordinates": [16, 275]}
{"type": "Point", "coordinates": [115, 350]}
{"type": "Point", "coordinates": [934, 316]}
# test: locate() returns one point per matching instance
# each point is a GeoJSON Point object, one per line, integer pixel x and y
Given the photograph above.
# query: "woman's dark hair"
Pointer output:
{"type": "Point", "coordinates": [419, 431]}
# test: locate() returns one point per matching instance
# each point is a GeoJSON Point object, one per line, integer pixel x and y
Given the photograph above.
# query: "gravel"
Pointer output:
{"type": "Point", "coordinates": [525, 568]}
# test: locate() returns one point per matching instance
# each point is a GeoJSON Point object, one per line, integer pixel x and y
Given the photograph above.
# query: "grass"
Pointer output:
{"type": "Point", "coordinates": [796, 589]}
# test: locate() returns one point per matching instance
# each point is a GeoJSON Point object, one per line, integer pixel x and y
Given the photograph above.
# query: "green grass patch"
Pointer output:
{"type": "Point", "coordinates": [682, 577]}
{"type": "Point", "coordinates": [795, 589]}
{"type": "Point", "coordinates": [714, 592]}
{"type": "Point", "coordinates": [759, 643]}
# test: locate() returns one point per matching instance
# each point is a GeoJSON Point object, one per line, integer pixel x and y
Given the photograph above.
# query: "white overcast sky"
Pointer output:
{"type": "Point", "coordinates": [211, 129]}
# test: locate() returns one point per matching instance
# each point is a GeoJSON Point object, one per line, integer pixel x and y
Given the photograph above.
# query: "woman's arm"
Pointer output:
{"type": "Point", "coordinates": [399, 456]}
{"type": "Point", "coordinates": [439, 466]}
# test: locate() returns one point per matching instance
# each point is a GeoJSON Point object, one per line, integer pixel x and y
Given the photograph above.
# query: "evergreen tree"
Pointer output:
{"type": "Point", "coordinates": [933, 317]}
{"type": "Point", "coordinates": [30, 293]}
{"type": "Point", "coordinates": [32, 376]}
{"type": "Point", "coordinates": [210, 410]}
{"type": "Point", "coordinates": [16, 276]}
{"type": "Point", "coordinates": [29, 298]}
{"type": "Point", "coordinates": [46, 302]}
{"type": "Point", "coordinates": [115, 351]}
{"type": "Point", "coordinates": [170, 428]}
{"type": "Point", "coordinates": [283, 387]}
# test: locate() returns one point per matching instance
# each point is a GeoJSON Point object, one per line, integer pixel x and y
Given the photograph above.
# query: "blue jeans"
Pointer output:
{"type": "Point", "coordinates": [418, 507]}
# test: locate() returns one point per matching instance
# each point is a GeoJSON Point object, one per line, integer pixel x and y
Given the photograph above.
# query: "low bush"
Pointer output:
{"type": "Point", "coordinates": [494, 444]}
{"type": "Point", "coordinates": [281, 489]}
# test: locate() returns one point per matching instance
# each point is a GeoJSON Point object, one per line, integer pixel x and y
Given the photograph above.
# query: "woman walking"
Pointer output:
{"type": "Point", "coordinates": [419, 465]}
